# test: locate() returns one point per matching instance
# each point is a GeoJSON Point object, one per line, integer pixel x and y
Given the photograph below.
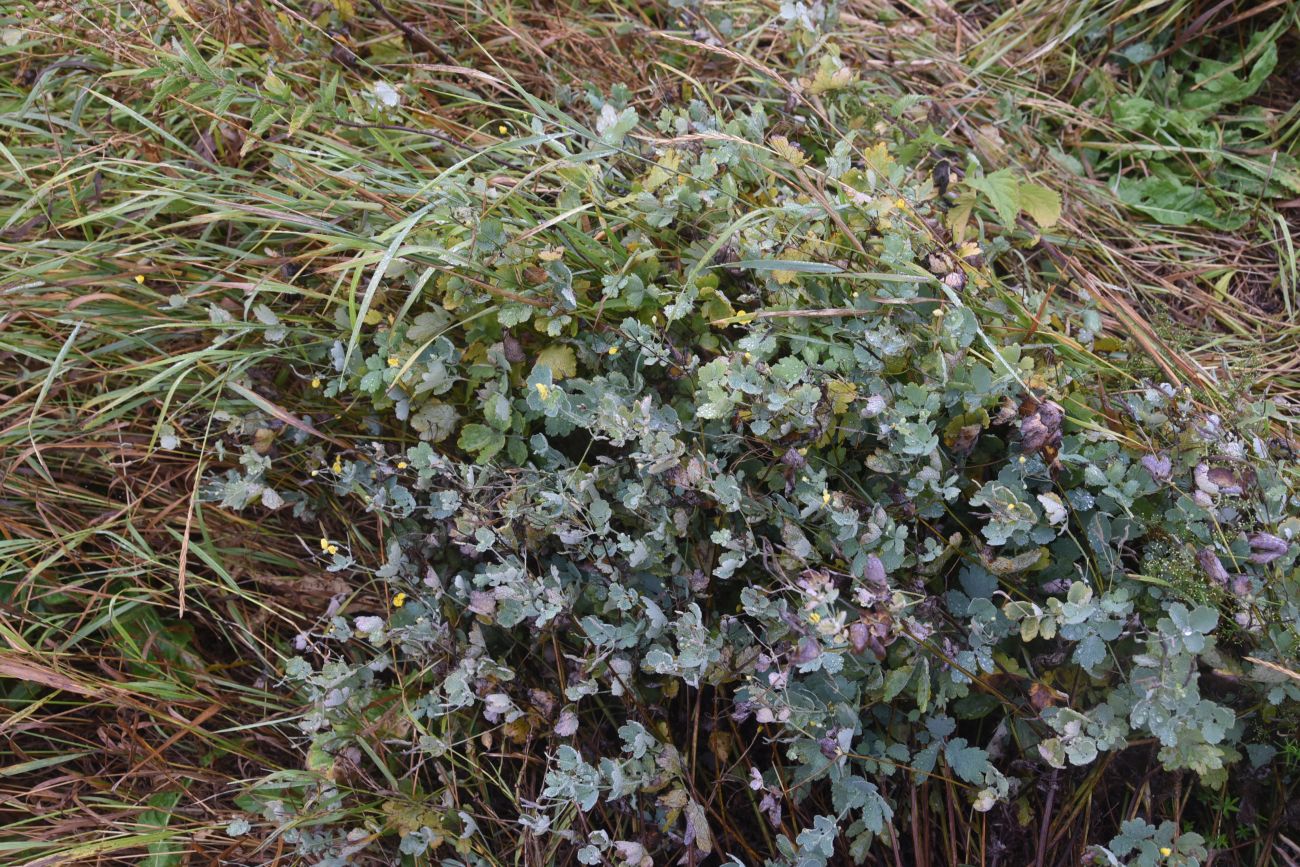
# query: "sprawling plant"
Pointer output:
{"type": "Point", "coordinates": [728, 498]}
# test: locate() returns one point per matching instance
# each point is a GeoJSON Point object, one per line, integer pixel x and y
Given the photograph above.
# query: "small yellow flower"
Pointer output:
{"type": "Point", "coordinates": [803, 478]}
{"type": "Point", "coordinates": [401, 465]}
{"type": "Point", "coordinates": [338, 465]}
{"type": "Point", "coordinates": [1166, 851]}
{"type": "Point", "coordinates": [826, 498]}
{"type": "Point", "coordinates": [1022, 459]}
{"type": "Point", "coordinates": [1011, 507]}
{"type": "Point", "coordinates": [503, 129]}
{"type": "Point", "coordinates": [543, 390]}
{"type": "Point", "coordinates": [749, 356]}
{"type": "Point", "coordinates": [315, 383]}
{"type": "Point", "coordinates": [315, 472]}
{"type": "Point", "coordinates": [332, 550]}
{"type": "Point", "coordinates": [855, 293]}
{"type": "Point", "coordinates": [613, 350]}
{"type": "Point", "coordinates": [393, 361]}
{"type": "Point", "coordinates": [938, 311]}
{"type": "Point", "coordinates": [399, 600]}
{"type": "Point", "coordinates": [139, 278]}
{"type": "Point", "coordinates": [803, 451]}
{"type": "Point", "coordinates": [900, 204]}
{"type": "Point", "coordinates": [814, 618]}
{"type": "Point", "coordinates": [324, 543]}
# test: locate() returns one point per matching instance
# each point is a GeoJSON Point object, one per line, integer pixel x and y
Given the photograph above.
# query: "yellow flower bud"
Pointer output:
{"type": "Point", "coordinates": [399, 600]}
{"type": "Point", "coordinates": [401, 465]}
{"type": "Point", "coordinates": [324, 543]}
{"type": "Point", "coordinates": [826, 498]}
{"type": "Point", "coordinates": [613, 350]}
{"type": "Point", "coordinates": [315, 383]}
{"type": "Point", "coordinates": [543, 390]}
{"type": "Point", "coordinates": [139, 278]}
{"type": "Point", "coordinates": [503, 129]}
{"type": "Point", "coordinates": [1166, 851]}
{"type": "Point", "coordinates": [393, 361]}
{"type": "Point", "coordinates": [332, 550]}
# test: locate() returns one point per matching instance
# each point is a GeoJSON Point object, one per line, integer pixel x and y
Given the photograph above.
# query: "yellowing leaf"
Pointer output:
{"type": "Point", "coordinates": [1035, 559]}
{"type": "Point", "coordinates": [1043, 205]}
{"type": "Point", "coordinates": [407, 818]}
{"type": "Point", "coordinates": [959, 215]}
{"type": "Point", "coordinates": [560, 359]}
{"type": "Point", "coordinates": [878, 158]}
{"type": "Point", "coordinates": [178, 9]}
{"type": "Point", "coordinates": [300, 118]}
{"type": "Point", "coordinates": [697, 826]}
{"type": "Point", "coordinates": [786, 276]}
{"type": "Point", "coordinates": [273, 83]}
{"type": "Point", "coordinates": [989, 138]}
{"type": "Point", "coordinates": [788, 151]}
{"type": "Point", "coordinates": [663, 171]}
{"type": "Point", "coordinates": [829, 77]}
{"type": "Point", "coordinates": [842, 395]}
{"type": "Point", "coordinates": [373, 317]}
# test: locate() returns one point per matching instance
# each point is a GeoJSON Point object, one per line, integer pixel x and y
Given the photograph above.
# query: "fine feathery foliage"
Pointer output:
{"type": "Point", "coordinates": [718, 476]}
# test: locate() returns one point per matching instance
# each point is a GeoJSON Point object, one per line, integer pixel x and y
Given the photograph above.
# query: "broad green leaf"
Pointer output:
{"type": "Point", "coordinates": [1003, 192]}
{"type": "Point", "coordinates": [482, 440]}
{"type": "Point", "coordinates": [968, 763]}
{"type": "Point", "coordinates": [896, 681]}
{"type": "Point", "coordinates": [1042, 205]}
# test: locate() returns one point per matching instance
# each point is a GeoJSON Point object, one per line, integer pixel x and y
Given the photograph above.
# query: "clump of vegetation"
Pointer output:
{"type": "Point", "coordinates": [719, 473]}
{"type": "Point", "coordinates": [741, 488]}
